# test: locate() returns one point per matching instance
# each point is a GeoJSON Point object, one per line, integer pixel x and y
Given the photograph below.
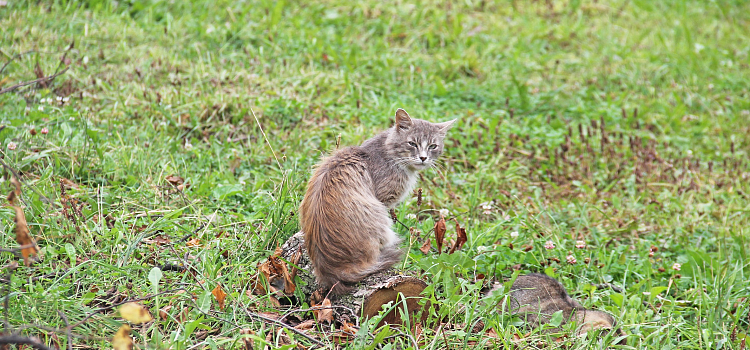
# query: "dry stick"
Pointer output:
{"type": "Point", "coordinates": [266, 137]}
{"type": "Point", "coordinates": [19, 339]}
{"type": "Point", "coordinates": [68, 331]}
{"type": "Point", "coordinates": [13, 58]}
{"type": "Point", "coordinates": [42, 79]}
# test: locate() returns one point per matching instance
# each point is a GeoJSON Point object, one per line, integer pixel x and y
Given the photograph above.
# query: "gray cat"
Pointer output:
{"type": "Point", "coordinates": [344, 214]}
{"type": "Point", "coordinates": [536, 297]}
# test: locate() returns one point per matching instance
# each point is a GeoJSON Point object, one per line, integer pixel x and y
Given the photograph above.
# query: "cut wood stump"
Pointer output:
{"type": "Point", "coordinates": [368, 297]}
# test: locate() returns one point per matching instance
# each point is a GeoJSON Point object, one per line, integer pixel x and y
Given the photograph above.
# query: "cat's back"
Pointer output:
{"type": "Point", "coordinates": [539, 291]}
{"type": "Point", "coordinates": [349, 163]}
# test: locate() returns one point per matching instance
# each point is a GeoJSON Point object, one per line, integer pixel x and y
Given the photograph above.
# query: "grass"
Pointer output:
{"type": "Point", "coordinates": [622, 124]}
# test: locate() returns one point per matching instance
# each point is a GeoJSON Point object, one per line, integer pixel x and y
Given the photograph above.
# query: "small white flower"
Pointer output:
{"type": "Point", "coordinates": [66, 99]}
{"type": "Point", "coordinates": [514, 234]}
{"type": "Point", "coordinates": [549, 245]}
{"type": "Point", "coordinates": [487, 206]}
{"type": "Point", "coordinates": [580, 244]}
{"type": "Point", "coordinates": [12, 146]}
{"type": "Point", "coordinates": [646, 293]}
{"type": "Point", "coordinates": [444, 212]}
{"type": "Point", "coordinates": [59, 99]}
{"type": "Point", "coordinates": [41, 108]}
{"type": "Point", "coordinates": [28, 109]}
{"type": "Point", "coordinates": [85, 59]}
{"type": "Point", "coordinates": [676, 266]}
{"type": "Point", "coordinates": [571, 259]}
{"type": "Point", "coordinates": [411, 216]}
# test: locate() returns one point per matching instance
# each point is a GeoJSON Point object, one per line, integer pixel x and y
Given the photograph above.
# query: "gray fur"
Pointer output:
{"type": "Point", "coordinates": [537, 296]}
{"type": "Point", "coordinates": [344, 214]}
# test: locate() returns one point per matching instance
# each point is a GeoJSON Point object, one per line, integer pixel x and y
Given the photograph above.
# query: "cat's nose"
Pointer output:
{"type": "Point", "coordinates": [423, 159]}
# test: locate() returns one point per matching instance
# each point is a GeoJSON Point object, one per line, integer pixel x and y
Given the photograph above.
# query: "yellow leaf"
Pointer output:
{"type": "Point", "coordinates": [220, 295]}
{"type": "Point", "coordinates": [122, 339]}
{"type": "Point", "coordinates": [135, 313]}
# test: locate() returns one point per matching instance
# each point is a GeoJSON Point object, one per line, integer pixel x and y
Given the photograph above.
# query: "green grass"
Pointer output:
{"type": "Point", "coordinates": [157, 88]}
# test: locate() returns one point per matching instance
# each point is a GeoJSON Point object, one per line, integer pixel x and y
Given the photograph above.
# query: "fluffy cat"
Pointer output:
{"type": "Point", "coordinates": [344, 214]}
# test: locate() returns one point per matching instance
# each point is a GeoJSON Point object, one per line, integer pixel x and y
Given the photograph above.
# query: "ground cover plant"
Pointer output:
{"type": "Point", "coordinates": [604, 143]}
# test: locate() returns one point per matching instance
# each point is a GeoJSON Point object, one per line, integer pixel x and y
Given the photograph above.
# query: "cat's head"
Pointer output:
{"type": "Point", "coordinates": [416, 143]}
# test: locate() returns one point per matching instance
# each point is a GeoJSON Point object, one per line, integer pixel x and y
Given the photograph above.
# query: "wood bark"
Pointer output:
{"type": "Point", "coordinates": [368, 297]}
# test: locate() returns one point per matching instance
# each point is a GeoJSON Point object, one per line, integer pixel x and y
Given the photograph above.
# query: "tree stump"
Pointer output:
{"type": "Point", "coordinates": [368, 297]}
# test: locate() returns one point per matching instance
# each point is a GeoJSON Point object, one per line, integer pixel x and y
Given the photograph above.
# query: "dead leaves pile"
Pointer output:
{"type": "Point", "coordinates": [274, 276]}
{"type": "Point", "coordinates": [29, 249]}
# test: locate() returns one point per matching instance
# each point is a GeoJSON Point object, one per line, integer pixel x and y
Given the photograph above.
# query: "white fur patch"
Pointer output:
{"type": "Point", "coordinates": [408, 186]}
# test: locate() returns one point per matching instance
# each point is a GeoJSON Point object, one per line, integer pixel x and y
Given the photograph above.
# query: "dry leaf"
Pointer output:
{"type": "Point", "coordinates": [164, 312]}
{"type": "Point", "coordinates": [308, 324]}
{"type": "Point", "coordinates": [135, 313]}
{"type": "Point", "coordinates": [276, 274]}
{"type": "Point", "coordinates": [122, 339]}
{"type": "Point", "coordinates": [440, 233]}
{"type": "Point", "coordinates": [349, 328]}
{"type": "Point", "coordinates": [220, 295]}
{"type": "Point", "coordinates": [68, 184]}
{"type": "Point", "coordinates": [425, 248]}
{"type": "Point", "coordinates": [158, 240]}
{"type": "Point", "coordinates": [325, 315]}
{"type": "Point", "coordinates": [195, 242]}
{"type": "Point", "coordinates": [460, 240]}
{"type": "Point", "coordinates": [247, 341]}
{"type": "Point", "coordinates": [29, 248]}
{"type": "Point", "coordinates": [175, 180]}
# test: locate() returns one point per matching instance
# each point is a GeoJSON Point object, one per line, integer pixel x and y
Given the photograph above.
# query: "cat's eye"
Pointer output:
{"type": "Point", "coordinates": [432, 146]}
{"type": "Point", "coordinates": [412, 144]}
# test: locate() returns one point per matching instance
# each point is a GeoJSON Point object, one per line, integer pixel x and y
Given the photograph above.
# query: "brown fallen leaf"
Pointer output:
{"type": "Point", "coordinates": [178, 182]}
{"type": "Point", "coordinates": [325, 314]}
{"type": "Point", "coordinates": [461, 239]}
{"type": "Point", "coordinates": [164, 312]}
{"type": "Point", "coordinates": [135, 313]}
{"type": "Point", "coordinates": [68, 184]}
{"type": "Point", "coordinates": [195, 242]}
{"type": "Point", "coordinates": [175, 180]}
{"type": "Point", "coordinates": [122, 339]}
{"type": "Point", "coordinates": [247, 341]}
{"type": "Point", "coordinates": [275, 274]}
{"type": "Point", "coordinates": [220, 295]}
{"type": "Point", "coordinates": [440, 233]}
{"type": "Point", "coordinates": [308, 324]}
{"type": "Point", "coordinates": [349, 328]}
{"type": "Point", "coordinates": [158, 240]}
{"type": "Point", "coordinates": [29, 249]}
{"type": "Point", "coordinates": [425, 248]}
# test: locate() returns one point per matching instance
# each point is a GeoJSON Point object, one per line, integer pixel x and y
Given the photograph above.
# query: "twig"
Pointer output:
{"type": "Point", "coordinates": [68, 332]}
{"type": "Point", "coordinates": [266, 137]}
{"type": "Point", "coordinates": [13, 58]}
{"type": "Point", "coordinates": [42, 79]}
{"type": "Point", "coordinates": [19, 339]}
{"type": "Point", "coordinates": [187, 236]}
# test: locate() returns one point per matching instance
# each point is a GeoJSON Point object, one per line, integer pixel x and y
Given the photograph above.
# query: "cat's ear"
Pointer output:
{"type": "Point", "coordinates": [444, 126]}
{"type": "Point", "coordinates": [403, 121]}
